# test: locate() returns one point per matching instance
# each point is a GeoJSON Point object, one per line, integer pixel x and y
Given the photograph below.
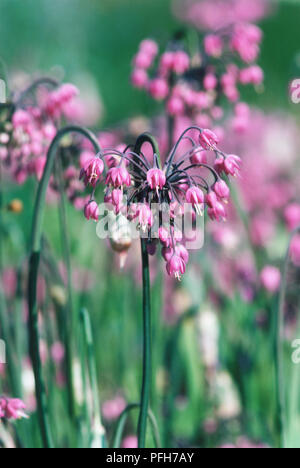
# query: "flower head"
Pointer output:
{"type": "Point", "coordinates": [117, 177]}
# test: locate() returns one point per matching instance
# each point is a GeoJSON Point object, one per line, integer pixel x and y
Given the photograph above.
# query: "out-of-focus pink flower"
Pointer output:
{"type": "Point", "coordinates": [130, 442]}
{"type": "Point", "coordinates": [91, 211]}
{"type": "Point", "coordinates": [12, 408]}
{"type": "Point", "coordinates": [139, 78]}
{"type": "Point", "coordinates": [9, 279]}
{"type": "Point", "coordinates": [112, 409]}
{"type": "Point", "coordinates": [295, 250]}
{"type": "Point", "coordinates": [159, 89]}
{"type": "Point", "coordinates": [292, 216]}
{"type": "Point", "coordinates": [57, 352]}
{"type": "Point", "coordinates": [213, 45]}
{"type": "Point", "coordinates": [270, 279]}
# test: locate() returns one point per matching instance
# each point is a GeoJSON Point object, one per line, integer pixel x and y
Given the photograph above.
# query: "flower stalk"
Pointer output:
{"type": "Point", "coordinates": [34, 262]}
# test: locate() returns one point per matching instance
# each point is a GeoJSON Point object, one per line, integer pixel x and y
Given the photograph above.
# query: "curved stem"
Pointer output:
{"type": "Point", "coordinates": [122, 422]}
{"type": "Point", "coordinates": [46, 80]}
{"type": "Point", "coordinates": [35, 248]}
{"type": "Point", "coordinates": [146, 386]}
{"type": "Point", "coordinates": [148, 138]}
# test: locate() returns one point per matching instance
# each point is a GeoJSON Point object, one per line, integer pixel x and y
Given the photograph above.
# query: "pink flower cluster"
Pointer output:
{"type": "Point", "coordinates": [216, 14]}
{"type": "Point", "coordinates": [12, 408]}
{"type": "Point", "coordinates": [193, 85]}
{"type": "Point", "coordinates": [133, 185]}
{"type": "Point", "coordinates": [24, 144]}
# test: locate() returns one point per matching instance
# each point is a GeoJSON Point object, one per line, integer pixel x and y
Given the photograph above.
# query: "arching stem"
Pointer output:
{"type": "Point", "coordinates": [34, 262]}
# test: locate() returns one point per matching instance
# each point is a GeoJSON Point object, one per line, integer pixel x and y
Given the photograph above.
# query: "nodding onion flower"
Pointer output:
{"type": "Point", "coordinates": [135, 185]}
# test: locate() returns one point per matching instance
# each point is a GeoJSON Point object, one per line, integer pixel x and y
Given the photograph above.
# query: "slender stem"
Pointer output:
{"type": "Point", "coordinates": [45, 80]}
{"type": "Point", "coordinates": [122, 421]}
{"type": "Point", "coordinates": [146, 386]}
{"type": "Point", "coordinates": [280, 397]}
{"type": "Point", "coordinates": [147, 138]}
{"type": "Point", "coordinates": [68, 319]}
{"type": "Point", "coordinates": [87, 330]}
{"type": "Point", "coordinates": [34, 262]}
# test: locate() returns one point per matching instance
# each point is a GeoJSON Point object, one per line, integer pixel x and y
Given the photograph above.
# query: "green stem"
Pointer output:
{"type": "Point", "coordinates": [35, 248]}
{"type": "Point", "coordinates": [122, 422]}
{"type": "Point", "coordinates": [280, 397]}
{"type": "Point", "coordinates": [146, 386]}
{"type": "Point", "coordinates": [68, 309]}
{"type": "Point", "coordinates": [87, 330]}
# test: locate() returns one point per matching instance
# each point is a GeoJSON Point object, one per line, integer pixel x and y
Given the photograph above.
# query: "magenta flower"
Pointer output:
{"type": "Point", "coordinates": [118, 177]}
{"type": "Point", "coordinates": [176, 266]}
{"type": "Point", "coordinates": [222, 190]}
{"type": "Point", "coordinates": [92, 171]}
{"type": "Point", "coordinates": [195, 196]}
{"type": "Point", "coordinates": [156, 178]}
{"type": "Point", "coordinates": [295, 250]}
{"type": "Point", "coordinates": [12, 408]}
{"type": "Point", "coordinates": [208, 139]}
{"type": "Point", "coordinates": [270, 279]}
{"type": "Point", "coordinates": [91, 211]}
{"type": "Point", "coordinates": [292, 216]}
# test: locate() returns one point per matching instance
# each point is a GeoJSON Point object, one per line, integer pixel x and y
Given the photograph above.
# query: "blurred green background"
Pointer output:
{"type": "Point", "coordinates": [101, 37]}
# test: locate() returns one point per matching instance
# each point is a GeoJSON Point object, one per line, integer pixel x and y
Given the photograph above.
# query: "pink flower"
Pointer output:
{"type": "Point", "coordinates": [222, 190]}
{"type": "Point", "coordinates": [213, 45]}
{"type": "Point", "coordinates": [159, 89]}
{"type": "Point", "coordinates": [117, 177]}
{"type": "Point", "coordinates": [156, 178]}
{"type": "Point", "coordinates": [130, 442]}
{"type": "Point", "coordinates": [175, 106]}
{"type": "Point", "coordinates": [9, 281]}
{"type": "Point", "coordinates": [139, 78]}
{"type": "Point", "coordinates": [92, 171]}
{"type": "Point", "coordinates": [270, 278]}
{"type": "Point", "coordinates": [143, 60]}
{"type": "Point", "coordinates": [117, 199]}
{"type": "Point", "coordinates": [210, 82]}
{"type": "Point", "coordinates": [252, 75]}
{"type": "Point", "coordinates": [199, 157]}
{"type": "Point", "coordinates": [166, 62]}
{"type": "Point", "coordinates": [195, 196]}
{"type": "Point", "coordinates": [145, 216]}
{"type": "Point", "coordinates": [181, 62]}
{"type": "Point", "coordinates": [21, 118]}
{"type": "Point", "coordinates": [150, 47]}
{"type": "Point", "coordinates": [211, 199]}
{"type": "Point", "coordinates": [182, 252]}
{"type": "Point", "coordinates": [218, 212]}
{"type": "Point", "coordinates": [176, 267]}
{"type": "Point", "coordinates": [12, 408]}
{"type": "Point", "coordinates": [292, 216]}
{"type": "Point", "coordinates": [230, 165]}
{"type": "Point", "coordinates": [58, 352]}
{"type": "Point", "coordinates": [164, 235]}
{"type": "Point", "coordinates": [112, 409]}
{"type": "Point", "coordinates": [208, 139]}
{"type": "Point", "coordinates": [91, 211]}
{"type": "Point", "coordinates": [295, 250]}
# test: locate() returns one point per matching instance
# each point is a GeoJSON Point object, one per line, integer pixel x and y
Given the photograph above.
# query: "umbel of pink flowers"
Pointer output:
{"type": "Point", "coordinates": [194, 84]}
{"type": "Point", "coordinates": [187, 177]}
{"type": "Point", "coordinates": [12, 408]}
